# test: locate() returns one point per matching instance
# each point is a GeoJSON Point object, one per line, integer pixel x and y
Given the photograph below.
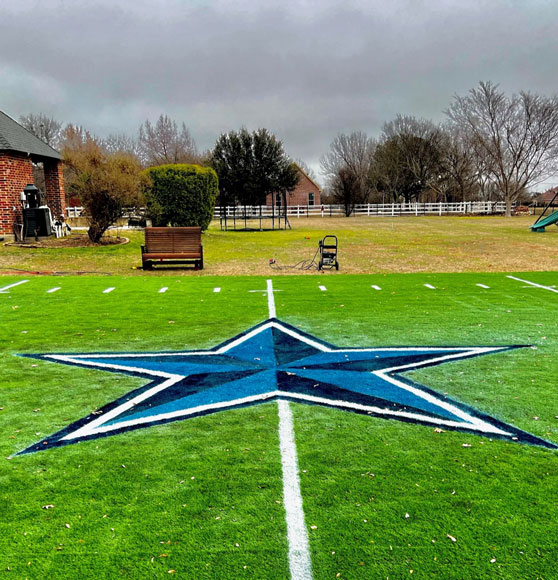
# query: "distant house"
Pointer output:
{"type": "Point", "coordinates": [546, 197]}
{"type": "Point", "coordinates": [19, 149]}
{"type": "Point", "coordinates": [307, 192]}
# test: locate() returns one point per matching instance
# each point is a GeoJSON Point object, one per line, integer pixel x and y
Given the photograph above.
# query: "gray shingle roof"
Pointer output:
{"type": "Point", "coordinates": [14, 137]}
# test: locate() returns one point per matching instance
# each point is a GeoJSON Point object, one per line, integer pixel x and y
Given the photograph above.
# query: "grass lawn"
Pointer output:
{"type": "Point", "coordinates": [366, 245]}
{"type": "Point", "coordinates": [202, 498]}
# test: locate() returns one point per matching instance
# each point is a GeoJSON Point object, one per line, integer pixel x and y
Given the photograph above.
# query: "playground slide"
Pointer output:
{"type": "Point", "coordinates": [548, 220]}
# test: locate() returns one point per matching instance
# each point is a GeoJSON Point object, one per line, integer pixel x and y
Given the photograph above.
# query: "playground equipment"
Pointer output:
{"type": "Point", "coordinates": [540, 225]}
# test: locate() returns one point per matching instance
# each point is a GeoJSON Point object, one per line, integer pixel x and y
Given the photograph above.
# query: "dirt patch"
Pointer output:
{"type": "Point", "coordinates": [73, 241]}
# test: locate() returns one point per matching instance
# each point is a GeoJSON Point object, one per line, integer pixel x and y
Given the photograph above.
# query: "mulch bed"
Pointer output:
{"type": "Point", "coordinates": [72, 241]}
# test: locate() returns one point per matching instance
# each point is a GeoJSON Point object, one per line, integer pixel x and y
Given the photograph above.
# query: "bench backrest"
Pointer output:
{"type": "Point", "coordinates": [173, 239]}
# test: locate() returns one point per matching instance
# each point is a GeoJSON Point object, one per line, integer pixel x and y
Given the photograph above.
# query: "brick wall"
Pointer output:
{"type": "Point", "coordinates": [54, 185]}
{"type": "Point", "coordinates": [16, 171]}
{"type": "Point", "coordinates": [300, 195]}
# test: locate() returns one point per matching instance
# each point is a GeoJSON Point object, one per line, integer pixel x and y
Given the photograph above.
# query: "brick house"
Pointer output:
{"type": "Point", "coordinates": [306, 192]}
{"type": "Point", "coordinates": [547, 197]}
{"type": "Point", "coordinates": [19, 149]}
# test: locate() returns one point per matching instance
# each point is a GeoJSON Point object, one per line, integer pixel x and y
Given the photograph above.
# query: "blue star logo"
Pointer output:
{"type": "Point", "coordinates": [276, 360]}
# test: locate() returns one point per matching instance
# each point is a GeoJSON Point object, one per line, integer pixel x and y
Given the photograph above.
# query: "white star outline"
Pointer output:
{"type": "Point", "coordinates": [98, 426]}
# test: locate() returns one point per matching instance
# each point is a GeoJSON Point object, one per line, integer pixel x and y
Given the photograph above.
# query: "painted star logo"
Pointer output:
{"type": "Point", "coordinates": [275, 360]}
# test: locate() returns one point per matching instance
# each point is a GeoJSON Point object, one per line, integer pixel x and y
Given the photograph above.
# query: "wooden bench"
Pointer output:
{"type": "Point", "coordinates": [173, 245]}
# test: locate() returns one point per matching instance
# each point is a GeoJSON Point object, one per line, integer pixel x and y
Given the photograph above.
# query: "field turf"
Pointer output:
{"type": "Point", "coordinates": [202, 498]}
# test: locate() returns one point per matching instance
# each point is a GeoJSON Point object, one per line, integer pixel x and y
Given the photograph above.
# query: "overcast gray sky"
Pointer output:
{"type": "Point", "coordinates": [306, 70]}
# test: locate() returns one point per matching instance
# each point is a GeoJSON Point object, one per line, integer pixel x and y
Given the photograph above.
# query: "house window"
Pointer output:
{"type": "Point", "coordinates": [278, 199]}
{"type": "Point", "coordinates": [310, 199]}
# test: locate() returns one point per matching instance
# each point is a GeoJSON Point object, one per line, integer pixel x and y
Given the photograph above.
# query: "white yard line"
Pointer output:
{"type": "Point", "coordinates": [55, 289]}
{"type": "Point", "coordinates": [299, 551]}
{"type": "Point", "coordinates": [534, 284]}
{"type": "Point", "coordinates": [163, 289]}
{"type": "Point", "coordinates": [376, 287]}
{"type": "Point", "coordinates": [483, 286]}
{"type": "Point", "coordinates": [430, 286]}
{"type": "Point", "coordinates": [216, 290]}
{"type": "Point", "coordinates": [13, 285]}
{"type": "Point", "coordinates": [271, 300]}
{"type": "Point", "coordinates": [297, 536]}
{"type": "Point", "coordinates": [108, 290]}
{"type": "Point", "coordinates": [322, 288]}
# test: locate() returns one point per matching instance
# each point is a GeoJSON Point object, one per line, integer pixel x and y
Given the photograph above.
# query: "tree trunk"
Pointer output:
{"type": "Point", "coordinates": [508, 207]}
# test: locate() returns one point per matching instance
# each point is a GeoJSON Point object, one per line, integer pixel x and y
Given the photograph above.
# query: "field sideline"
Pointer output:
{"type": "Point", "coordinates": [202, 498]}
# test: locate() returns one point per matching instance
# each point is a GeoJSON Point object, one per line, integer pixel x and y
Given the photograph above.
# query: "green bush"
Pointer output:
{"type": "Point", "coordinates": [181, 195]}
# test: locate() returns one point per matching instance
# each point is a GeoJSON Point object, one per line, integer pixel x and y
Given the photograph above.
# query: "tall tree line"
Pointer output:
{"type": "Point", "coordinates": [491, 147]}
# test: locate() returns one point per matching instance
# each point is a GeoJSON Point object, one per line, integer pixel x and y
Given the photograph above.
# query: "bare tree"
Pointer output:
{"type": "Point", "coordinates": [515, 137]}
{"type": "Point", "coordinates": [306, 168]}
{"type": "Point", "coordinates": [346, 167]}
{"type": "Point", "coordinates": [164, 143]}
{"type": "Point", "coordinates": [459, 166]}
{"type": "Point", "coordinates": [122, 143]}
{"type": "Point", "coordinates": [43, 127]}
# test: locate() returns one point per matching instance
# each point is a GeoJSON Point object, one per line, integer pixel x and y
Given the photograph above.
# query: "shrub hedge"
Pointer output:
{"type": "Point", "coordinates": [181, 195]}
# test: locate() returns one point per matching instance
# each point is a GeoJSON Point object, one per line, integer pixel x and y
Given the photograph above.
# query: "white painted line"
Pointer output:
{"type": "Point", "coordinates": [271, 300]}
{"type": "Point", "coordinates": [322, 288]}
{"type": "Point", "coordinates": [13, 285]}
{"type": "Point", "coordinates": [430, 286]}
{"type": "Point", "coordinates": [534, 284]}
{"type": "Point", "coordinates": [163, 289]}
{"type": "Point", "coordinates": [376, 287]}
{"type": "Point", "coordinates": [217, 289]}
{"type": "Point", "coordinates": [483, 286]}
{"type": "Point", "coordinates": [108, 290]}
{"type": "Point", "coordinates": [55, 289]}
{"type": "Point", "coordinates": [299, 551]}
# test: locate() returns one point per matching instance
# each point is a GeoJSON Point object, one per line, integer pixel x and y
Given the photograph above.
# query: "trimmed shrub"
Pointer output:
{"type": "Point", "coordinates": [181, 195]}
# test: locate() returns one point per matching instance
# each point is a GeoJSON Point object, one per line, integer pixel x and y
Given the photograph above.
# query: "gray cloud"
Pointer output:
{"type": "Point", "coordinates": [305, 70]}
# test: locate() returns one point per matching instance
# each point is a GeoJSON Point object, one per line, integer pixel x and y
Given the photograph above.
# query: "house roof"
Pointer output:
{"type": "Point", "coordinates": [15, 137]}
{"type": "Point", "coordinates": [547, 196]}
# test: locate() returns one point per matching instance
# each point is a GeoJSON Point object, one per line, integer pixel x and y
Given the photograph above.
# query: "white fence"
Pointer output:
{"type": "Point", "coordinates": [369, 209]}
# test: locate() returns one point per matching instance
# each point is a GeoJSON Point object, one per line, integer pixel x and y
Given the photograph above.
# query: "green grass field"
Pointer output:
{"type": "Point", "coordinates": [202, 498]}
